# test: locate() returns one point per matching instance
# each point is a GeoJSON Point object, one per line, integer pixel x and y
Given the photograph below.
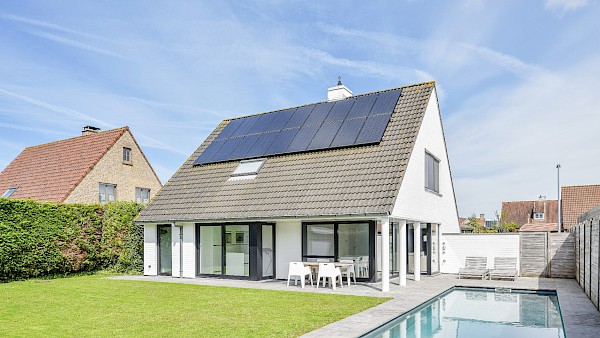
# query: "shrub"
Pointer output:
{"type": "Point", "coordinates": [38, 238]}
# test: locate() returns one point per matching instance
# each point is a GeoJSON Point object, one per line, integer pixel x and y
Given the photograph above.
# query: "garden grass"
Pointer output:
{"type": "Point", "coordinates": [85, 306]}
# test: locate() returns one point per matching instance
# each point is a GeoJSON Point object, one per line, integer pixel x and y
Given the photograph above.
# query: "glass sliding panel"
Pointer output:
{"type": "Point", "coordinates": [268, 251]}
{"type": "Point", "coordinates": [424, 247]}
{"type": "Point", "coordinates": [237, 250]}
{"type": "Point", "coordinates": [353, 243]}
{"type": "Point", "coordinates": [211, 253]}
{"type": "Point", "coordinates": [435, 254]}
{"type": "Point", "coordinates": [164, 249]}
{"type": "Point", "coordinates": [319, 244]}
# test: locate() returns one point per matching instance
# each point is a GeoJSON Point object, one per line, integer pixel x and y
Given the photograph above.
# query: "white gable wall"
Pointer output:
{"type": "Point", "coordinates": [414, 202]}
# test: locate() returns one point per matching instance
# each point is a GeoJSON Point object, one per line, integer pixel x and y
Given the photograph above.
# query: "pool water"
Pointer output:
{"type": "Point", "coordinates": [475, 312]}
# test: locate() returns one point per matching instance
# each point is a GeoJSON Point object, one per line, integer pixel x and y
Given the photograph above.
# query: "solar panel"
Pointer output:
{"type": "Point", "coordinates": [280, 119]}
{"type": "Point", "coordinates": [317, 116]}
{"type": "Point", "coordinates": [353, 121]}
{"type": "Point", "coordinates": [373, 129]}
{"type": "Point", "coordinates": [261, 146]}
{"type": "Point", "coordinates": [385, 103]}
{"type": "Point", "coordinates": [302, 139]}
{"type": "Point", "coordinates": [299, 117]}
{"type": "Point", "coordinates": [340, 110]}
{"type": "Point", "coordinates": [348, 132]}
{"type": "Point", "coordinates": [229, 129]}
{"type": "Point", "coordinates": [282, 141]}
{"type": "Point", "coordinates": [325, 135]}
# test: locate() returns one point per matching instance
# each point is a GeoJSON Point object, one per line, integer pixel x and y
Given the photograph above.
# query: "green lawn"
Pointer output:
{"type": "Point", "coordinates": [100, 307]}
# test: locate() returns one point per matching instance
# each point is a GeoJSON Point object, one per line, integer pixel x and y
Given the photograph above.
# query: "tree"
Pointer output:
{"type": "Point", "coordinates": [506, 225]}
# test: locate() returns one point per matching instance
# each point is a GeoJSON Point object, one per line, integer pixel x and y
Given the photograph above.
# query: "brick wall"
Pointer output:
{"type": "Point", "coordinates": [111, 169]}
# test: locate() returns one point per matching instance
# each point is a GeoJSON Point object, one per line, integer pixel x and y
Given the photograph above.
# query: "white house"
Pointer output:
{"type": "Point", "coordinates": [318, 181]}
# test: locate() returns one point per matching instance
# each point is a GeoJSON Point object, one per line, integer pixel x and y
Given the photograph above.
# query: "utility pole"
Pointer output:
{"type": "Point", "coordinates": [559, 198]}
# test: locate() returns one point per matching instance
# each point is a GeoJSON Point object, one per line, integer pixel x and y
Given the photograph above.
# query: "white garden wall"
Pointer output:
{"type": "Point", "coordinates": [456, 247]}
{"type": "Point", "coordinates": [288, 246]}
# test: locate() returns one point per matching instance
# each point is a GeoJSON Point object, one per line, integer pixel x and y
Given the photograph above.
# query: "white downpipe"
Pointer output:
{"type": "Point", "coordinates": [417, 251]}
{"type": "Point", "coordinates": [402, 251]}
{"type": "Point", "coordinates": [385, 254]}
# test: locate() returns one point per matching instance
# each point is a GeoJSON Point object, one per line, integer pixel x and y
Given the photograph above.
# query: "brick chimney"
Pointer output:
{"type": "Point", "coordinates": [338, 92]}
{"type": "Point", "coordinates": [88, 130]}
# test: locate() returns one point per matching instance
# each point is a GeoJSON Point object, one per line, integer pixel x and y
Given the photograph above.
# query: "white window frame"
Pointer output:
{"type": "Point", "coordinates": [126, 155]}
{"type": "Point", "coordinates": [142, 195]}
{"type": "Point", "coordinates": [9, 192]}
{"type": "Point", "coordinates": [103, 195]}
{"type": "Point", "coordinates": [538, 216]}
{"type": "Point", "coordinates": [432, 171]}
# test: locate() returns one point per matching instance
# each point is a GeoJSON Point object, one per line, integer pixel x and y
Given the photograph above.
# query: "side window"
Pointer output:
{"type": "Point", "coordinates": [142, 195]}
{"type": "Point", "coordinates": [432, 173]}
{"type": "Point", "coordinates": [126, 155]}
{"type": "Point", "coordinates": [107, 192]}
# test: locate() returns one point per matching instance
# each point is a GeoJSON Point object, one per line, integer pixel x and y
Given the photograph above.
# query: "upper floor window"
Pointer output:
{"type": "Point", "coordinates": [9, 192]}
{"type": "Point", "coordinates": [142, 195]}
{"type": "Point", "coordinates": [538, 215]}
{"type": "Point", "coordinates": [126, 155]}
{"type": "Point", "coordinates": [432, 173]}
{"type": "Point", "coordinates": [107, 192]}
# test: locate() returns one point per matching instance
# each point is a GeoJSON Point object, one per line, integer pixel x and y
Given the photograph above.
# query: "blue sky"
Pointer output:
{"type": "Point", "coordinates": [517, 80]}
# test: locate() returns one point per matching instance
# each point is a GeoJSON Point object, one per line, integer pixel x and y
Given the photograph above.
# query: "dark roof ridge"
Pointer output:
{"type": "Point", "coordinates": [432, 83]}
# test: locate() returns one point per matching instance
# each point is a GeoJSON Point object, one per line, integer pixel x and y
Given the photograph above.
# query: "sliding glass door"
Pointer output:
{"type": "Point", "coordinates": [334, 241]}
{"type": "Point", "coordinates": [236, 250]}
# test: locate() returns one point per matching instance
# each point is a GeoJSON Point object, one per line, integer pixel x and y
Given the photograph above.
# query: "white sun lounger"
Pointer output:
{"type": "Point", "coordinates": [475, 267]}
{"type": "Point", "coordinates": [504, 267]}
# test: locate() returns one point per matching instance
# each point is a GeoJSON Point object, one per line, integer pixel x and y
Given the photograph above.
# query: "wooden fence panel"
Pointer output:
{"type": "Point", "coordinates": [587, 252]}
{"type": "Point", "coordinates": [594, 263]}
{"type": "Point", "coordinates": [534, 254]}
{"type": "Point", "coordinates": [577, 267]}
{"type": "Point", "coordinates": [581, 256]}
{"type": "Point", "coordinates": [561, 256]}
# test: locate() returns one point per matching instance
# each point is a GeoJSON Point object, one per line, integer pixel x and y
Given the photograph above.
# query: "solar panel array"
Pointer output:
{"type": "Point", "coordinates": [353, 121]}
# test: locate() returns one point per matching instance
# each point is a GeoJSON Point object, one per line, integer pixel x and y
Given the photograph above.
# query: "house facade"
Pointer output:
{"type": "Point", "coordinates": [361, 177]}
{"type": "Point", "coordinates": [96, 167]}
{"type": "Point", "coordinates": [539, 215]}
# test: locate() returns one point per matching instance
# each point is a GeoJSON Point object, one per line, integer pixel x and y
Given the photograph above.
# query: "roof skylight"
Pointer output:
{"type": "Point", "coordinates": [247, 169]}
{"type": "Point", "coordinates": [9, 192]}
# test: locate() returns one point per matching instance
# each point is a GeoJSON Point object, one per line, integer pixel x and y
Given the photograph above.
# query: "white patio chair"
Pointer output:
{"type": "Point", "coordinates": [297, 269]}
{"type": "Point", "coordinates": [329, 270]}
{"type": "Point", "coordinates": [348, 269]}
{"type": "Point", "coordinates": [363, 266]}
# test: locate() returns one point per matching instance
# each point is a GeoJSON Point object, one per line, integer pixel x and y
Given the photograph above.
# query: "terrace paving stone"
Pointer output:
{"type": "Point", "coordinates": [581, 319]}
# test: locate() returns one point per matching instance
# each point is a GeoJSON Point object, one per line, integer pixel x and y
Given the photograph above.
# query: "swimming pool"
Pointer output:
{"type": "Point", "coordinates": [480, 312]}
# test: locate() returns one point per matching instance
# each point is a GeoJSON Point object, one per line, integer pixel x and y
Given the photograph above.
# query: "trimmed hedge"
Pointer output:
{"type": "Point", "coordinates": [39, 239]}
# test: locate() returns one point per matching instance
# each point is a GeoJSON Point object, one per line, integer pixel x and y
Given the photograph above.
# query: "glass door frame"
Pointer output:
{"type": "Point", "coordinates": [335, 257]}
{"type": "Point", "coordinates": [255, 250]}
{"type": "Point", "coordinates": [428, 252]}
{"type": "Point", "coordinates": [158, 243]}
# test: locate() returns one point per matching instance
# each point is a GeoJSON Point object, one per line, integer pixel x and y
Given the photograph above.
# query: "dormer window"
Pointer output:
{"type": "Point", "coordinates": [9, 192]}
{"type": "Point", "coordinates": [127, 155]}
{"type": "Point", "coordinates": [247, 169]}
{"type": "Point", "coordinates": [538, 216]}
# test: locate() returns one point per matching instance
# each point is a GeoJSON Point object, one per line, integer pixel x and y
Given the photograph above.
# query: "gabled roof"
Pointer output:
{"type": "Point", "coordinates": [521, 212]}
{"type": "Point", "coordinates": [577, 200]}
{"type": "Point", "coordinates": [50, 172]}
{"type": "Point", "coordinates": [354, 180]}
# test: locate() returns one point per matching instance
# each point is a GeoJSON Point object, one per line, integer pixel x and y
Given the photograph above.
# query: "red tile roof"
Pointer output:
{"type": "Point", "coordinates": [577, 200]}
{"type": "Point", "coordinates": [50, 172]}
{"type": "Point", "coordinates": [546, 227]}
{"type": "Point", "coordinates": [521, 212]}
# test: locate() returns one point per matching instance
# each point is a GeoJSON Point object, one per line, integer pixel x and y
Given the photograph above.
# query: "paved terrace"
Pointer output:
{"type": "Point", "coordinates": [580, 317]}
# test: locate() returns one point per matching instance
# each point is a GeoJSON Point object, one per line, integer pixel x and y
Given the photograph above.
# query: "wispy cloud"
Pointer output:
{"type": "Point", "coordinates": [73, 43]}
{"type": "Point", "coordinates": [48, 25]}
{"type": "Point", "coordinates": [566, 5]}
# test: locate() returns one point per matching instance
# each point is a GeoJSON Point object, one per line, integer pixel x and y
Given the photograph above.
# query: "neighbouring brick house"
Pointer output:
{"type": "Point", "coordinates": [537, 215]}
{"type": "Point", "coordinates": [99, 166]}
{"type": "Point", "coordinates": [577, 200]}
